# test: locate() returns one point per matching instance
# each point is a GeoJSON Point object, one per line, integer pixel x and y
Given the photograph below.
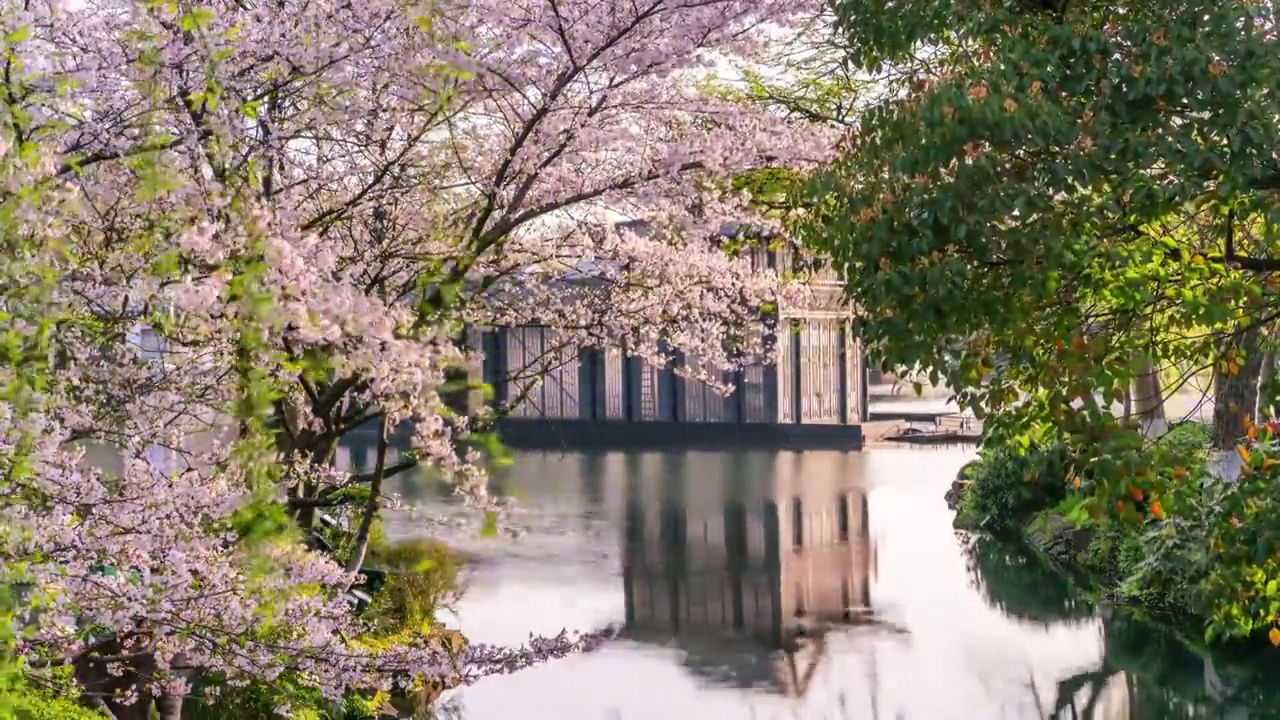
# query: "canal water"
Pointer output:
{"type": "Point", "coordinates": [796, 585]}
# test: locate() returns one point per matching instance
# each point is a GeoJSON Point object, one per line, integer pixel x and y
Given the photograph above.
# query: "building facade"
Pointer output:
{"type": "Point", "coordinates": [813, 392]}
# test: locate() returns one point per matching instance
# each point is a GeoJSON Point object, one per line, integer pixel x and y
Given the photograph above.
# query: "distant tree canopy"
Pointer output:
{"type": "Point", "coordinates": [1073, 187]}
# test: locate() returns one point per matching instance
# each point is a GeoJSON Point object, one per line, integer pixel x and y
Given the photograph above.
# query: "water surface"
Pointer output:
{"type": "Point", "coordinates": [796, 585]}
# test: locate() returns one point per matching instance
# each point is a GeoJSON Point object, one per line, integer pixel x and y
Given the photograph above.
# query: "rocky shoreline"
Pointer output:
{"type": "Point", "coordinates": [958, 486]}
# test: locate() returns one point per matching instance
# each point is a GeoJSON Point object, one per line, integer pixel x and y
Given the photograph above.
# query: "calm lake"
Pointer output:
{"type": "Point", "coordinates": [796, 585]}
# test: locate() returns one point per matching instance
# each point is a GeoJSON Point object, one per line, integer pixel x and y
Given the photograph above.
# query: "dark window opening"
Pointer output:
{"type": "Point", "coordinates": [842, 518]}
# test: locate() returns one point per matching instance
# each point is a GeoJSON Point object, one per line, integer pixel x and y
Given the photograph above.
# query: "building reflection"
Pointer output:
{"type": "Point", "coordinates": [748, 572]}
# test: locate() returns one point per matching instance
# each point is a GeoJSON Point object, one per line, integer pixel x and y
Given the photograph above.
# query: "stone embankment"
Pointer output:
{"type": "Point", "coordinates": [958, 486]}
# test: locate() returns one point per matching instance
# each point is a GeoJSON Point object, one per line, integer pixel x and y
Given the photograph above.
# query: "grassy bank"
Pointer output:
{"type": "Point", "coordinates": [1164, 537]}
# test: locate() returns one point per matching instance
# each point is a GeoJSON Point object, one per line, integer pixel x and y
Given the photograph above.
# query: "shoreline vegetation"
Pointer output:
{"type": "Point", "coordinates": [1190, 550]}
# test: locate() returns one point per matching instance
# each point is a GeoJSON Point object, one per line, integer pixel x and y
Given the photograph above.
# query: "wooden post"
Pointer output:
{"type": "Point", "coordinates": [842, 355]}
{"type": "Point", "coordinates": [488, 340]}
{"type": "Point", "coordinates": [678, 390]}
{"type": "Point", "coordinates": [740, 395]}
{"type": "Point", "coordinates": [497, 362]}
{"type": "Point", "coordinates": [586, 394]}
{"type": "Point", "coordinates": [769, 387]}
{"type": "Point", "coordinates": [864, 390]}
{"type": "Point", "coordinates": [797, 374]}
{"type": "Point", "coordinates": [632, 407]}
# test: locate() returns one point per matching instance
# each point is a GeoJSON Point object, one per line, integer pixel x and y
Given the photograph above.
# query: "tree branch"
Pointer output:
{"type": "Point", "coordinates": [371, 505]}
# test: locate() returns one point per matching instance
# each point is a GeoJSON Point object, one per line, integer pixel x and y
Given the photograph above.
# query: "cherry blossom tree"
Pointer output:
{"type": "Point", "coordinates": [462, 156]}
{"type": "Point", "coordinates": [304, 203]}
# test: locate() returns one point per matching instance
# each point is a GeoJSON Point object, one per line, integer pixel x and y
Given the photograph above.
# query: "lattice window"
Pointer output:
{"type": "Point", "coordinates": [786, 378]}
{"type": "Point", "coordinates": [648, 391]}
{"type": "Point", "coordinates": [703, 403]}
{"type": "Point", "coordinates": [753, 390]}
{"type": "Point", "coordinates": [544, 380]}
{"type": "Point", "coordinates": [820, 382]}
{"type": "Point", "coordinates": [615, 387]}
{"type": "Point", "coordinates": [856, 373]}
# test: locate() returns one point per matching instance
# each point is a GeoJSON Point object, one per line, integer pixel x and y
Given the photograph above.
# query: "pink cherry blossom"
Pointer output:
{"type": "Point", "coordinates": [274, 222]}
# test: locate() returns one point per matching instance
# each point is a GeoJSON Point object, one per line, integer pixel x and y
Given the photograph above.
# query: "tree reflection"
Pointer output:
{"type": "Point", "coordinates": [1013, 580]}
{"type": "Point", "coordinates": [1146, 671]}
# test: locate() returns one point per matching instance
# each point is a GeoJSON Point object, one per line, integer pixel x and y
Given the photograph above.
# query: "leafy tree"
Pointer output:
{"type": "Point", "coordinates": [1067, 196]}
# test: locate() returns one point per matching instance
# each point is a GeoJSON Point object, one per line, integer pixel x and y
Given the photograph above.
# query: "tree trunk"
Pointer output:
{"type": "Point", "coordinates": [1236, 376]}
{"type": "Point", "coordinates": [1266, 396]}
{"type": "Point", "coordinates": [1147, 399]}
{"type": "Point", "coordinates": [1148, 395]}
{"type": "Point", "coordinates": [322, 452]}
{"type": "Point", "coordinates": [169, 704]}
{"type": "Point", "coordinates": [169, 707]}
{"type": "Point", "coordinates": [101, 687]}
{"type": "Point", "coordinates": [361, 545]}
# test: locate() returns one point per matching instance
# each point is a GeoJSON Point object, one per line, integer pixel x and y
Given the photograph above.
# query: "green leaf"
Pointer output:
{"type": "Point", "coordinates": [490, 527]}
{"type": "Point", "coordinates": [18, 35]}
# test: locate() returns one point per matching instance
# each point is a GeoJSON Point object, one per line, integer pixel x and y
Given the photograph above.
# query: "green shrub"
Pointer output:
{"type": "Point", "coordinates": [1123, 558]}
{"type": "Point", "coordinates": [1006, 487]}
{"type": "Point", "coordinates": [1228, 543]}
{"type": "Point", "coordinates": [1165, 534]}
{"type": "Point", "coordinates": [258, 701]}
{"type": "Point", "coordinates": [1184, 439]}
{"type": "Point", "coordinates": [422, 578]}
{"type": "Point", "coordinates": [34, 704]}
{"type": "Point", "coordinates": [1212, 551]}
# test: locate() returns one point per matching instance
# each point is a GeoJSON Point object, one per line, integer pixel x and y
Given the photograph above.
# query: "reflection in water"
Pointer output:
{"type": "Point", "coordinates": [1014, 581]}
{"type": "Point", "coordinates": [754, 569]}
{"type": "Point", "coordinates": [1145, 671]}
{"type": "Point", "coordinates": [748, 579]}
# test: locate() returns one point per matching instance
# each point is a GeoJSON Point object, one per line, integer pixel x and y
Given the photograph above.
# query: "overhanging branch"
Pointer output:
{"type": "Point", "coordinates": [1251, 264]}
